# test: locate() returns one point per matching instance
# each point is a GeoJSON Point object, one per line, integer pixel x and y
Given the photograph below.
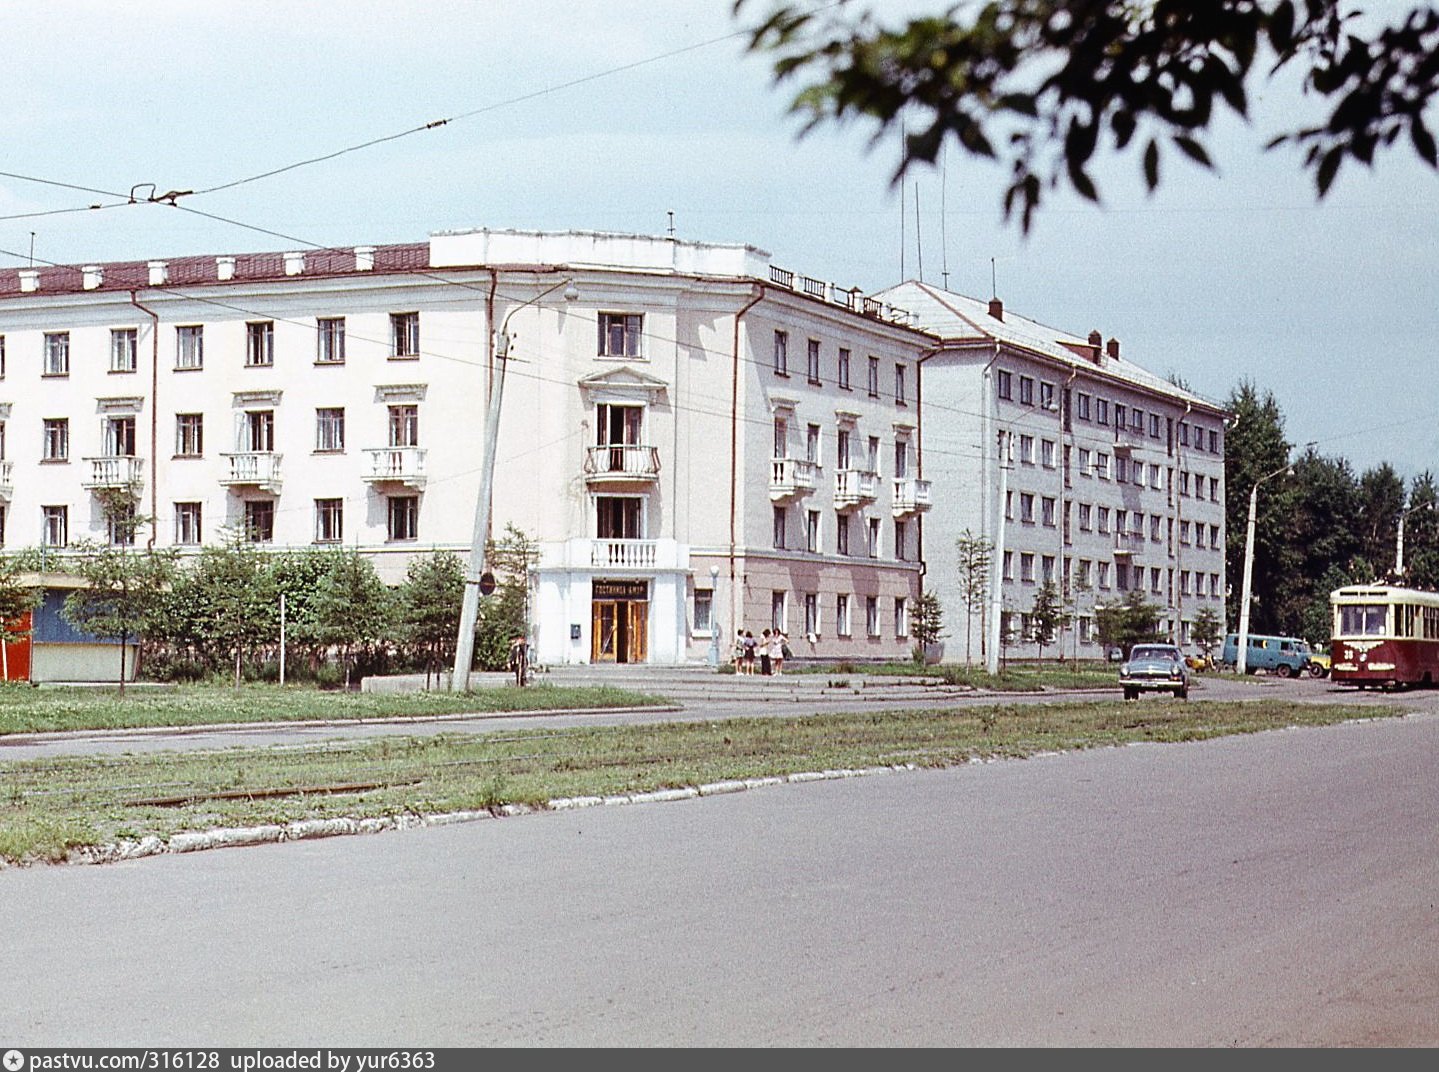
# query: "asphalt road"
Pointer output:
{"type": "Point", "coordinates": [1268, 890]}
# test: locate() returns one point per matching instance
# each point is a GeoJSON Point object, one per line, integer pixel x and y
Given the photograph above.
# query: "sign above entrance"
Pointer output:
{"type": "Point", "coordinates": [620, 589]}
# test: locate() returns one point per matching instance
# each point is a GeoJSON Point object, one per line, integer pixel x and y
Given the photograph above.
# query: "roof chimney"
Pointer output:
{"type": "Point", "coordinates": [92, 276]}
{"type": "Point", "coordinates": [996, 308]}
{"type": "Point", "coordinates": [159, 273]}
{"type": "Point", "coordinates": [29, 280]}
{"type": "Point", "coordinates": [1113, 349]}
{"type": "Point", "coordinates": [294, 263]}
{"type": "Point", "coordinates": [364, 258]}
{"type": "Point", "coordinates": [224, 268]}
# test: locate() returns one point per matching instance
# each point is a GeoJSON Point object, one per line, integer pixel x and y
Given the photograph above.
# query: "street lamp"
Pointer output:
{"type": "Point", "coordinates": [470, 609]}
{"type": "Point", "coordinates": [714, 618]}
{"type": "Point", "coordinates": [1399, 543]}
{"type": "Point", "coordinates": [1241, 657]}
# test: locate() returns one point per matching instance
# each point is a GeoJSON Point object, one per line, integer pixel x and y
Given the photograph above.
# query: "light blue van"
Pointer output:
{"type": "Point", "coordinates": [1284, 656]}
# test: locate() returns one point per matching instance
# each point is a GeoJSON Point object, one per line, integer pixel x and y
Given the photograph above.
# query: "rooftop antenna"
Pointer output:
{"type": "Point", "coordinates": [943, 238]}
{"type": "Point", "coordinates": [993, 286]}
{"type": "Point", "coordinates": [32, 249]}
{"type": "Point", "coordinates": [918, 233]}
{"type": "Point", "coordinates": [902, 139]}
{"type": "Point", "coordinates": [672, 223]}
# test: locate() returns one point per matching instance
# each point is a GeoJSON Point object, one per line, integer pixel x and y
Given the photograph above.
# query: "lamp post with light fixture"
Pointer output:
{"type": "Point", "coordinates": [1241, 652]}
{"type": "Point", "coordinates": [469, 611]}
{"type": "Point", "coordinates": [714, 656]}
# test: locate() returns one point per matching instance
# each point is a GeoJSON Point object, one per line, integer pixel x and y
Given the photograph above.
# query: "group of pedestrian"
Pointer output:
{"type": "Point", "coordinates": [769, 651]}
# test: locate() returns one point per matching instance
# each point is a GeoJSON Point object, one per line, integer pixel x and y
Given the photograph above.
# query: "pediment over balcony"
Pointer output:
{"type": "Point", "coordinates": [126, 404]}
{"type": "Point", "coordinates": [256, 398]}
{"type": "Point", "coordinates": [623, 384]}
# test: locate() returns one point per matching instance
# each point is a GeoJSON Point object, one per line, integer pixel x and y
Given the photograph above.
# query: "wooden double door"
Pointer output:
{"type": "Point", "coordinates": [620, 623]}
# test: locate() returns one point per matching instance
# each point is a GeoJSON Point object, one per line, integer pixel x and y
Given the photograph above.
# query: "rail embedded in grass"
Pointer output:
{"type": "Point", "coordinates": [49, 807]}
{"type": "Point", "coordinates": [24, 709]}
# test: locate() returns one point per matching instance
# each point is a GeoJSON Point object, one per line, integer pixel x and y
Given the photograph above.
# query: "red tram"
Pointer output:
{"type": "Point", "coordinates": [1384, 636]}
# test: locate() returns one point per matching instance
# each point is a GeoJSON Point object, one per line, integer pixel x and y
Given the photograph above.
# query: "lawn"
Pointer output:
{"type": "Point", "coordinates": [50, 807]}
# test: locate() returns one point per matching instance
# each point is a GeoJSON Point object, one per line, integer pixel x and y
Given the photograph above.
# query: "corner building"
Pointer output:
{"type": "Point", "coordinates": [697, 440]}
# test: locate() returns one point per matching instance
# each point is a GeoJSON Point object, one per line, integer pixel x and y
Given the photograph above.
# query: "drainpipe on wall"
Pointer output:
{"type": "Point", "coordinates": [154, 418]}
{"type": "Point", "coordinates": [735, 602]}
{"type": "Point", "coordinates": [919, 452]}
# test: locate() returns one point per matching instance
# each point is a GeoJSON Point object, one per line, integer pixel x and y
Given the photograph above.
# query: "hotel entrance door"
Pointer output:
{"type": "Point", "coordinates": [620, 623]}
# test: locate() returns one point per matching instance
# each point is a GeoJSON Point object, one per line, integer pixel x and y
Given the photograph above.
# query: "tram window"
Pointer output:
{"type": "Point", "coordinates": [1362, 620]}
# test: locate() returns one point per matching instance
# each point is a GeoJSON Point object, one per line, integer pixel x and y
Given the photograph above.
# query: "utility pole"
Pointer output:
{"type": "Point", "coordinates": [996, 564]}
{"type": "Point", "coordinates": [1241, 642]}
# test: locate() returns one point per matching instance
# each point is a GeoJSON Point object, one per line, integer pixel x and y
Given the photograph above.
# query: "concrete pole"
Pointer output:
{"type": "Point", "coordinates": [996, 563]}
{"type": "Point", "coordinates": [1241, 649]}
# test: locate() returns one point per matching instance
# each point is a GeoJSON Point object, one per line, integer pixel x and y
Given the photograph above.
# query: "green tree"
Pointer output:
{"type": "Point", "coordinates": [1042, 86]}
{"type": "Point", "coordinates": [123, 595]}
{"type": "Point", "coordinates": [976, 554]}
{"type": "Point", "coordinates": [1208, 630]}
{"type": "Point", "coordinates": [1131, 621]}
{"type": "Point", "coordinates": [353, 608]}
{"type": "Point", "coordinates": [1255, 449]}
{"type": "Point", "coordinates": [926, 624]}
{"type": "Point", "coordinates": [227, 605]}
{"type": "Point", "coordinates": [297, 576]}
{"type": "Point", "coordinates": [430, 603]}
{"type": "Point", "coordinates": [16, 600]}
{"type": "Point", "coordinates": [1047, 616]}
{"type": "Point", "coordinates": [505, 615]}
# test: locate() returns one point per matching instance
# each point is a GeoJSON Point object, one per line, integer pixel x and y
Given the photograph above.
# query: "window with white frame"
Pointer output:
{"type": "Point", "coordinates": [330, 340]}
{"type": "Point", "coordinates": [841, 534]}
{"type": "Point", "coordinates": [1103, 519]}
{"type": "Point", "coordinates": [779, 528]}
{"type": "Point", "coordinates": [1026, 567]}
{"type": "Point", "coordinates": [1026, 449]}
{"type": "Point", "coordinates": [329, 520]}
{"type": "Point", "coordinates": [900, 397]}
{"type": "Point", "coordinates": [901, 540]}
{"type": "Point", "coordinates": [1004, 384]}
{"type": "Point", "coordinates": [901, 459]}
{"type": "Point", "coordinates": [189, 346]}
{"type": "Point", "coordinates": [1046, 453]}
{"type": "Point", "coordinates": [779, 611]}
{"type": "Point", "coordinates": [781, 353]}
{"type": "Point", "coordinates": [1101, 574]}
{"type": "Point", "coordinates": [811, 614]}
{"type": "Point", "coordinates": [1026, 391]}
{"type": "Point", "coordinates": [1082, 405]}
{"type": "Point", "coordinates": [403, 517]}
{"type": "Point", "coordinates": [1101, 465]}
{"type": "Point", "coordinates": [55, 526]}
{"type": "Point", "coordinates": [57, 353]}
{"type": "Point", "coordinates": [260, 343]}
{"type": "Point", "coordinates": [844, 368]}
{"type": "Point", "coordinates": [189, 435]}
{"type": "Point", "coordinates": [871, 616]}
{"type": "Point", "coordinates": [120, 524]}
{"type": "Point", "coordinates": [329, 429]}
{"type": "Point", "coordinates": [56, 444]}
{"type": "Point", "coordinates": [811, 531]}
{"type": "Point", "coordinates": [781, 437]}
{"type": "Point", "coordinates": [1046, 511]}
{"type": "Point", "coordinates": [1046, 395]}
{"type": "Point", "coordinates": [1008, 573]}
{"type": "Point", "coordinates": [812, 360]}
{"type": "Point", "coordinates": [188, 532]}
{"type": "Point", "coordinates": [1046, 569]}
{"type": "Point", "coordinates": [901, 617]}
{"type": "Point", "coordinates": [404, 425]}
{"type": "Point", "coordinates": [872, 377]}
{"type": "Point", "coordinates": [2, 357]}
{"type": "Point", "coordinates": [841, 615]}
{"type": "Point", "coordinates": [1101, 411]}
{"type": "Point", "coordinates": [404, 335]}
{"type": "Point", "coordinates": [704, 611]}
{"type": "Point", "coordinates": [258, 431]}
{"type": "Point", "coordinates": [124, 349]}
{"type": "Point", "coordinates": [1086, 462]}
{"type": "Point", "coordinates": [260, 521]}
{"type": "Point", "coordinates": [873, 541]}
{"type": "Point", "coordinates": [620, 334]}
{"type": "Point", "coordinates": [118, 437]}
{"type": "Point", "coordinates": [811, 443]}
{"type": "Point", "coordinates": [1026, 507]}
{"type": "Point", "coordinates": [1184, 532]}
{"type": "Point", "coordinates": [1086, 517]}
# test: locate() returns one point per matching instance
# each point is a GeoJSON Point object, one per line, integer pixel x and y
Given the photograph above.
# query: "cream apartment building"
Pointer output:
{"type": "Point", "coordinates": [1078, 466]}
{"type": "Point", "coordinates": [698, 440]}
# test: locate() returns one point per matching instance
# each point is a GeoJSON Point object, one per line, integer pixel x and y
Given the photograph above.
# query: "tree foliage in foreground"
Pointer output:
{"type": "Point", "coordinates": [1042, 86]}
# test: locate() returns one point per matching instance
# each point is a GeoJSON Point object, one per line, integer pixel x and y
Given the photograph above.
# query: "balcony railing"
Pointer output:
{"type": "Point", "coordinates": [911, 496]}
{"type": "Point", "coordinates": [1126, 543]}
{"type": "Point", "coordinates": [402, 465]}
{"type": "Point", "coordinates": [7, 485]}
{"type": "Point", "coordinates": [618, 462]}
{"type": "Point", "coordinates": [792, 477]}
{"type": "Point", "coordinates": [258, 467]}
{"type": "Point", "coordinates": [115, 471]}
{"type": "Point", "coordinates": [624, 554]}
{"type": "Point", "coordinates": [855, 487]}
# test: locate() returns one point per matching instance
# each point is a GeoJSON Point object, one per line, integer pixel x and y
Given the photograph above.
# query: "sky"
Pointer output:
{"type": "Point", "coordinates": [611, 115]}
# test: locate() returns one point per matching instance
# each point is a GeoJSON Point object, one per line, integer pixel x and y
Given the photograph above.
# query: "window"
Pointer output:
{"type": "Point", "coordinates": [120, 524]}
{"type": "Point", "coordinates": [1008, 573]}
{"type": "Point", "coordinates": [1086, 519]}
{"type": "Point", "coordinates": [1198, 533]}
{"type": "Point", "coordinates": [187, 523]}
{"type": "Point", "coordinates": [2, 357]}
{"type": "Point", "coordinates": [189, 435]}
{"type": "Point", "coordinates": [1121, 576]}
{"type": "Point", "coordinates": [811, 614]}
{"type": "Point", "coordinates": [404, 335]}
{"type": "Point", "coordinates": [1026, 507]}
{"type": "Point", "coordinates": [57, 353]}
{"type": "Point", "coordinates": [258, 432]}
{"type": "Point", "coordinates": [1119, 415]}
{"type": "Point", "coordinates": [1082, 577]}
{"type": "Point", "coordinates": [811, 532]}
{"type": "Point", "coordinates": [778, 611]}
{"type": "Point", "coordinates": [844, 368]}
{"type": "Point", "coordinates": [811, 443]}
{"type": "Point", "coordinates": [871, 616]}
{"type": "Point", "coordinates": [1214, 489]}
{"type": "Point", "coordinates": [1046, 511]}
{"type": "Point", "coordinates": [1026, 449]}
{"type": "Point", "coordinates": [1103, 519]}
{"type": "Point", "coordinates": [841, 615]}
{"type": "Point", "coordinates": [1046, 453]}
{"type": "Point", "coordinates": [1213, 441]}
{"type": "Point", "coordinates": [119, 437]}
{"type": "Point", "coordinates": [1154, 426]}
{"type": "Point", "coordinates": [330, 340]}
{"type": "Point", "coordinates": [1155, 580]}
{"type": "Point", "coordinates": [873, 537]}
{"type": "Point", "coordinates": [57, 440]}
{"type": "Point", "coordinates": [704, 611]}
{"type": "Point", "coordinates": [1136, 420]}
{"type": "Point", "coordinates": [781, 438]}
{"type": "Point", "coordinates": [404, 426]}
{"type": "Point", "coordinates": [1101, 411]}
{"type": "Point", "coordinates": [1004, 384]}
{"type": "Point", "coordinates": [55, 530]}
{"type": "Point", "coordinates": [403, 517]}
{"type": "Point", "coordinates": [812, 361]}
{"type": "Point", "coordinates": [189, 347]}
{"type": "Point", "coordinates": [901, 458]}
{"type": "Point", "coordinates": [1101, 465]}
{"type": "Point", "coordinates": [260, 344]}
{"type": "Point", "coordinates": [1046, 569]}
{"type": "Point", "coordinates": [841, 449]}
{"type": "Point", "coordinates": [1214, 536]}
{"type": "Point", "coordinates": [329, 520]}
{"type": "Point", "coordinates": [781, 353]}
{"type": "Point", "coordinates": [1184, 533]}
{"type": "Point", "coordinates": [1102, 574]}
{"type": "Point", "coordinates": [1082, 405]}
{"type": "Point", "coordinates": [1046, 396]}
{"type": "Point", "coordinates": [1184, 434]}
{"type": "Point", "coordinates": [620, 334]}
{"type": "Point", "coordinates": [872, 456]}
{"type": "Point", "coordinates": [124, 349]}
{"type": "Point", "coordinates": [260, 521]}
{"type": "Point", "coordinates": [1155, 523]}
{"type": "Point", "coordinates": [1086, 462]}
{"type": "Point", "coordinates": [330, 429]}
{"type": "Point", "coordinates": [901, 534]}
{"type": "Point", "coordinates": [899, 395]}
{"type": "Point", "coordinates": [841, 534]}
{"type": "Point", "coordinates": [901, 617]}
{"type": "Point", "coordinates": [1026, 391]}
{"type": "Point", "coordinates": [873, 377]}
{"type": "Point", "coordinates": [779, 528]}
{"type": "Point", "coordinates": [1026, 567]}
{"type": "Point", "coordinates": [1121, 470]}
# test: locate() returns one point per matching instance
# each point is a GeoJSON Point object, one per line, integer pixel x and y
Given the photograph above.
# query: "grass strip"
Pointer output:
{"type": "Point", "coordinates": [48, 807]}
{"type": "Point", "coordinates": [25, 709]}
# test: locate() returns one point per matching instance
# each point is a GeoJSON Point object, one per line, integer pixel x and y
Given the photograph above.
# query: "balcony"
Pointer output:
{"type": "Point", "coordinates": [855, 487]}
{"type": "Point", "coordinates": [114, 471]}
{"type": "Point", "coordinates": [253, 468]}
{"type": "Point", "coordinates": [7, 486]}
{"type": "Point", "coordinates": [911, 496]}
{"type": "Point", "coordinates": [792, 478]}
{"type": "Point", "coordinates": [622, 464]}
{"type": "Point", "coordinates": [398, 465]}
{"type": "Point", "coordinates": [614, 555]}
{"type": "Point", "coordinates": [624, 554]}
{"type": "Point", "coordinates": [1125, 440]}
{"type": "Point", "coordinates": [1127, 543]}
